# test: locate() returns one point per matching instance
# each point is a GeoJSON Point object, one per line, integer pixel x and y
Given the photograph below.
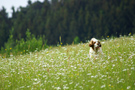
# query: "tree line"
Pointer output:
{"type": "Point", "coordinates": [68, 19]}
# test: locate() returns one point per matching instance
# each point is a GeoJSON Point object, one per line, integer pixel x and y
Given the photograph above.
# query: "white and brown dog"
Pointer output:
{"type": "Point", "coordinates": [95, 47]}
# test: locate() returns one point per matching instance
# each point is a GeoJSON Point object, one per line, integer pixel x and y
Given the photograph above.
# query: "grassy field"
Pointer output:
{"type": "Point", "coordinates": [70, 68]}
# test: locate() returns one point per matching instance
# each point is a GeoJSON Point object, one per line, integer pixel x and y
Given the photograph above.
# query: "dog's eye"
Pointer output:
{"type": "Point", "coordinates": [98, 43]}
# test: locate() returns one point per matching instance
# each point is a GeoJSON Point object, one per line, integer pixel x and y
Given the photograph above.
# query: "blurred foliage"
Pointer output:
{"type": "Point", "coordinates": [23, 46]}
{"type": "Point", "coordinates": [76, 40]}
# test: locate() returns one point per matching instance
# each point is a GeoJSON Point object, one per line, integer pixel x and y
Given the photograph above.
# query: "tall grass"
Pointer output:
{"type": "Point", "coordinates": [70, 68]}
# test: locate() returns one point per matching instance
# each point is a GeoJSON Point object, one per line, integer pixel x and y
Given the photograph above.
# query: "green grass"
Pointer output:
{"type": "Point", "coordinates": [69, 68]}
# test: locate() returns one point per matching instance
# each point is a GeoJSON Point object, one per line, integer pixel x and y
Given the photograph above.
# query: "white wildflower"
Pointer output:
{"type": "Point", "coordinates": [102, 86]}
{"type": "Point", "coordinates": [65, 87]}
{"type": "Point", "coordinates": [128, 87]}
{"type": "Point", "coordinates": [113, 65]}
{"type": "Point", "coordinates": [89, 74]}
{"type": "Point", "coordinates": [124, 69]}
{"type": "Point", "coordinates": [132, 68]}
{"type": "Point", "coordinates": [58, 88]}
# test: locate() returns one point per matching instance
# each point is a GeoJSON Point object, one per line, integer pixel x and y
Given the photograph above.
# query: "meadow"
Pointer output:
{"type": "Point", "coordinates": [70, 68]}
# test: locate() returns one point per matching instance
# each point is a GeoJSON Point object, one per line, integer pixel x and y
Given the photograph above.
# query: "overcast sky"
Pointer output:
{"type": "Point", "coordinates": [16, 3]}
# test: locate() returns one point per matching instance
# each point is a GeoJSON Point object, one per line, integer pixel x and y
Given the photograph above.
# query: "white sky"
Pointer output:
{"type": "Point", "coordinates": [16, 3]}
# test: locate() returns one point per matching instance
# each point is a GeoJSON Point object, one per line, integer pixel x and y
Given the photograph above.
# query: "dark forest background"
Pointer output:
{"type": "Point", "coordinates": [69, 19]}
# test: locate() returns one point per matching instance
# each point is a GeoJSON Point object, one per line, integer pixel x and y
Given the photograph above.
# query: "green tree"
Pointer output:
{"type": "Point", "coordinates": [5, 25]}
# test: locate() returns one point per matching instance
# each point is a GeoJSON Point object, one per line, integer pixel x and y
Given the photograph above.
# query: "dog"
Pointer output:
{"type": "Point", "coordinates": [95, 47]}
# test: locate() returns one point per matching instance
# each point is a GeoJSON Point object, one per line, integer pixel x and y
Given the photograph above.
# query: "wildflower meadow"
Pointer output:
{"type": "Point", "coordinates": [70, 68]}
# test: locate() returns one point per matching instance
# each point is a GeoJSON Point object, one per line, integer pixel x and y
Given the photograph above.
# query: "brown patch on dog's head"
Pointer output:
{"type": "Point", "coordinates": [91, 44]}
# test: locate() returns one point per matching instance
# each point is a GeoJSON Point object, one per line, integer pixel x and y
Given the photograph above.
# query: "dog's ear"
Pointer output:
{"type": "Point", "coordinates": [91, 43]}
{"type": "Point", "coordinates": [99, 43]}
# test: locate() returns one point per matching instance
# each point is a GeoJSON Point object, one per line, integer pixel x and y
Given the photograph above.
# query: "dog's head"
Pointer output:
{"type": "Point", "coordinates": [94, 43]}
